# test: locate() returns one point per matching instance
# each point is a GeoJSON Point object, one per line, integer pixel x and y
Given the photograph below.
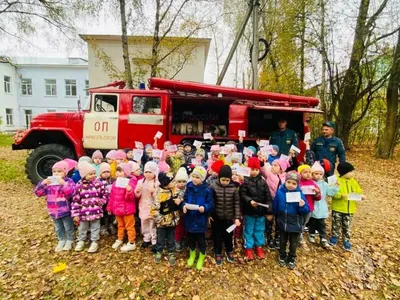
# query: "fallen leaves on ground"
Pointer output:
{"type": "Point", "coordinates": [370, 271]}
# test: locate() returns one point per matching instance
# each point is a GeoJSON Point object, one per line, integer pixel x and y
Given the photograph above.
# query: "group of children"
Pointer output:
{"type": "Point", "coordinates": [180, 194]}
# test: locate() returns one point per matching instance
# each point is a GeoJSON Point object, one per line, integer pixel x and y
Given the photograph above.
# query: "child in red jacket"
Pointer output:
{"type": "Point", "coordinates": [122, 204]}
{"type": "Point", "coordinates": [312, 192]}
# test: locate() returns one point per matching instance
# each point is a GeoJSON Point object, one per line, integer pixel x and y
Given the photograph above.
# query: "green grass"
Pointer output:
{"type": "Point", "coordinates": [6, 140]}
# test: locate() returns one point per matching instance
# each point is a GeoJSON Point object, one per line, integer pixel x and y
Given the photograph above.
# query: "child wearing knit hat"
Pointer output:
{"type": "Point", "coordinates": [344, 208]}
{"type": "Point", "coordinates": [97, 157]}
{"type": "Point", "coordinates": [122, 204]}
{"type": "Point", "coordinates": [181, 179]}
{"type": "Point", "coordinates": [87, 206]}
{"type": "Point", "coordinates": [274, 154]}
{"type": "Point", "coordinates": [311, 191]}
{"type": "Point", "coordinates": [146, 191]}
{"type": "Point", "coordinates": [58, 190]}
{"type": "Point", "coordinates": [75, 175]}
{"type": "Point", "coordinates": [165, 210]}
{"type": "Point", "coordinates": [197, 193]}
{"type": "Point", "coordinates": [226, 209]}
{"type": "Point", "coordinates": [321, 211]}
{"type": "Point", "coordinates": [290, 216]}
{"type": "Point", "coordinates": [214, 171]}
{"type": "Point", "coordinates": [254, 191]}
{"type": "Point", "coordinates": [275, 176]}
{"type": "Point", "coordinates": [200, 155]}
{"type": "Point", "coordinates": [107, 221]}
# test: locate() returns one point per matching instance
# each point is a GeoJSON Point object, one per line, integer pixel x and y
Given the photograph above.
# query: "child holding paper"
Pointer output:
{"type": "Point", "coordinates": [175, 161]}
{"type": "Point", "coordinates": [129, 154]}
{"type": "Point", "coordinates": [275, 176]}
{"type": "Point", "coordinates": [344, 204]}
{"type": "Point", "coordinates": [189, 152]}
{"type": "Point", "coordinates": [87, 206]}
{"type": "Point", "coordinates": [198, 195]}
{"type": "Point", "coordinates": [214, 171]}
{"type": "Point", "coordinates": [311, 190]}
{"type": "Point", "coordinates": [146, 190]}
{"type": "Point", "coordinates": [321, 211]}
{"type": "Point", "coordinates": [274, 154]}
{"type": "Point", "coordinates": [165, 211]}
{"type": "Point", "coordinates": [181, 179]}
{"type": "Point", "coordinates": [58, 206]}
{"type": "Point", "coordinates": [257, 203]}
{"type": "Point", "coordinates": [290, 207]}
{"type": "Point", "coordinates": [75, 175]}
{"type": "Point", "coordinates": [122, 204]}
{"type": "Point", "coordinates": [227, 209]}
{"type": "Point", "coordinates": [200, 155]}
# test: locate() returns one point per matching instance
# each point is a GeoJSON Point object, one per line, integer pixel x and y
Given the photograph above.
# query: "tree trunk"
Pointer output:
{"type": "Point", "coordinates": [302, 44]}
{"type": "Point", "coordinates": [323, 66]}
{"type": "Point", "coordinates": [388, 139]}
{"type": "Point", "coordinates": [156, 42]}
{"type": "Point", "coordinates": [125, 48]}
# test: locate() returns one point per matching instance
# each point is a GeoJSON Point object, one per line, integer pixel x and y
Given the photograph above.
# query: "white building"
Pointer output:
{"type": "Point", "coordinates": [39, 85]}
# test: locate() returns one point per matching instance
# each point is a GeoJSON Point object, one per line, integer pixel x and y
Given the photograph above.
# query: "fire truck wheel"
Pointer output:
{"type": "Point", "coordinates": [41, 160]}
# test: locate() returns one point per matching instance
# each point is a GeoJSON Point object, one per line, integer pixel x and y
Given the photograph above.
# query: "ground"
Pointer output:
{"type": "Point", "coordinates": [370, 271]}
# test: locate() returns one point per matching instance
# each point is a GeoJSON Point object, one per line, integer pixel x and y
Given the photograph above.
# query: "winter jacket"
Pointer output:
{"type": "Point", "coordinates": [271, 158]}
{"type": "Point", "coordinates": [346, 186]}
{"type": "Point", "coordinates": [290, 215]}
{"type": "Point", "coordinates": [189, 155]}
{"type": "Point", "coordinates": [146, 197]}
{"type": "Point", "coordinates": [57, 197]}
{"type": "Point", "coordinates": [89, 199]}
{"type": "Point", "coordinates": [164, 210]}
{"type": "Point", "coordinates": [113, 167]}
{"type": "Point", "coordinates": [226, 201]}
{"type": "Point", "coordinates": [255, 188]}
{"type": "Point", "coordinates": [196, 222]}
{"type": "Point", "coordinates": [122, 202]}
{"type": "Point", "coordinates": [321, 210]}
{"type": "Point", "coordinates": [76, 176]}
{"type": "Point", "coordinates": [274, 181]}
{"type": "Point", "coordinates": [329, 149]}
{"type": "Point", "coordinates": [175, 163]}
{"type": "Point", "coordinates": [211, 180]}
{"type": "Point", "coordinates": [310, 198]}
{"type": "Point", "coordinates": [284, 140]}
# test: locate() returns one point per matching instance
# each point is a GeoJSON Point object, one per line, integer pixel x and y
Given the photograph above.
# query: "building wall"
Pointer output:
{"type": "Point", "coordinates": [193, 69]}
{"type": "Point", "coordinates": [8, 100]}
{"type": "Point", "coordinates": [39, 102]}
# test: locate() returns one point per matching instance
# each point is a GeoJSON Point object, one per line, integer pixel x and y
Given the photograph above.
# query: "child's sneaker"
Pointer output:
{"type": "Point", "coordinates": [292, 264]}
{"type": "Point", "coordinates": [277, 244]}
{"type": "Point", "coordinates": [67, 246]}
{"type": "Point", "coordinates": [311, 238]}
{"type": "Point", "coordinates": [60, 246]}
{"type": "Point", "coordinates": [347, 246]}
{"type": "Point", "coordinates": [324, 244]}
{"type": "Point", "coordinates": [218, 259]}
{"type": "Point", "coordinates": [333, 241]}
{"type": "Point", "coordinates": [79, 246]}
{"type": "Point", "coordinates": [178, 246]}
{"type": "Point", "coordinates": [305, 229]}
{"type": "Point", "coordinates": [249, 254]}
{"type": "Point", "coordinates": [171, 259]}
{"type": "Point", "coordinates": [93, 247]}
{"type": "Point", "coordinates": [116, 244]}
{"type": "Point", "coordinates": [282, 260]}
{"type": "Point", "coordinates": [260, 253]}
{"type": "Point", "coordinates": [271, 244]}
{"type": "Point", "coordinates": [157, 257]}
{"type": "Point", "coordinates": [229, 257]}
{"type": "Point", "coordinates": [128, 247]}
{"type": "Point", "coordinates": [145, 245]}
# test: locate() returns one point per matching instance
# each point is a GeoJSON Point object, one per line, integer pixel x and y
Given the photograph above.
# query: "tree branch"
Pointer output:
{"type": "Point", "coordinates": [384, 36]}
{"type": "Point", "coordinates": [375, 16]}
{"type": "Point", "coordinates": [173, 20]}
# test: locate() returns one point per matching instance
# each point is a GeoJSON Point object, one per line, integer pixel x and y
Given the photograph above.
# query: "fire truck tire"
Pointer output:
{"type": "Point", "coordinates": [40, 161]}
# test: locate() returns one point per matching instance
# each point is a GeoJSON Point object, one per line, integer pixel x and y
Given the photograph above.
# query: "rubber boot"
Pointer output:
{"type": "Point", "coordinates": [200, 261]}
{"type": "Point", "coordinates": [192, 257]}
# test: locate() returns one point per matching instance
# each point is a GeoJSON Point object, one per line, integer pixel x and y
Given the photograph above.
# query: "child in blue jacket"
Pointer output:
{"type": "Point", "coordinates": [290, 217]}
{"type": "Point", "coordinates": [196, 221]}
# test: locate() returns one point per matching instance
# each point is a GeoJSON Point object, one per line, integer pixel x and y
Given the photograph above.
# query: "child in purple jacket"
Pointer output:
{"type": "Point", "coordinates": [57, 192]}
{"type": "Point", "coordinates": [87, 206]}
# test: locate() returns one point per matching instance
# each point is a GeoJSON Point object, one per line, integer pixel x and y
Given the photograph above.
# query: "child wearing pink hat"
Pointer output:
{"type": "Point", "coordinates": [87, 206]}
{"type": "Point", "coordinates": [58, 189]}
{"type": "Point", "coordinates": [107, 221]}
{"type": "Point", "coordinates": [97, 157]}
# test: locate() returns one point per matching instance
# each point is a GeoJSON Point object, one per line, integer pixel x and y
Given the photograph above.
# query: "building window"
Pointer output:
{"type": "Point", "coordinates": [26, 86]}
{"type": "Point", "coordinates": [87, 87]}
{"type": "Point", "coordinates": [9, 117]}
{"type": "Point", "coordinates": [70, 87]}
{"type": "Point", "coordinates": [146, 105]}
{"type": "Point", "coordinates": [51, 87]}
{"type": "Point", "coordinates": [28, 117]}
{"type": "Point", "coordinates": [7, 84]}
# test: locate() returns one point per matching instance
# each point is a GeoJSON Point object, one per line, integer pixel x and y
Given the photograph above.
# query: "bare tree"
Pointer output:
{"type": "Point", "coordinates": [125, 47]}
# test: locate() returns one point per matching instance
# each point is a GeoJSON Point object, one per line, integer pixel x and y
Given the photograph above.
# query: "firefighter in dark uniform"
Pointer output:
{"type": "Point", "coordinates": [329, 146]}
{"type": "Point", "coordinates": [284, 138]}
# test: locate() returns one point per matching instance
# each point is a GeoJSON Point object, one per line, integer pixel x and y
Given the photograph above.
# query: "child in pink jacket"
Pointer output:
{"type": "Point", "coordinates": [122, 204]}
{"type": "Point", "coordinates": [275, 176]}
{"type": "Point", "coordinates": [146, 191]}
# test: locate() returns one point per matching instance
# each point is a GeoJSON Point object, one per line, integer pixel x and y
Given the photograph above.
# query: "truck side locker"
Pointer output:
{"type": "Point", "coordinates": [238, 120]}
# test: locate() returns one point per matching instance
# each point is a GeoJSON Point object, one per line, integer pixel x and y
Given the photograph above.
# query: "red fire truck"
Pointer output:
{"type": "Point", "coordinates": [183, 111]}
